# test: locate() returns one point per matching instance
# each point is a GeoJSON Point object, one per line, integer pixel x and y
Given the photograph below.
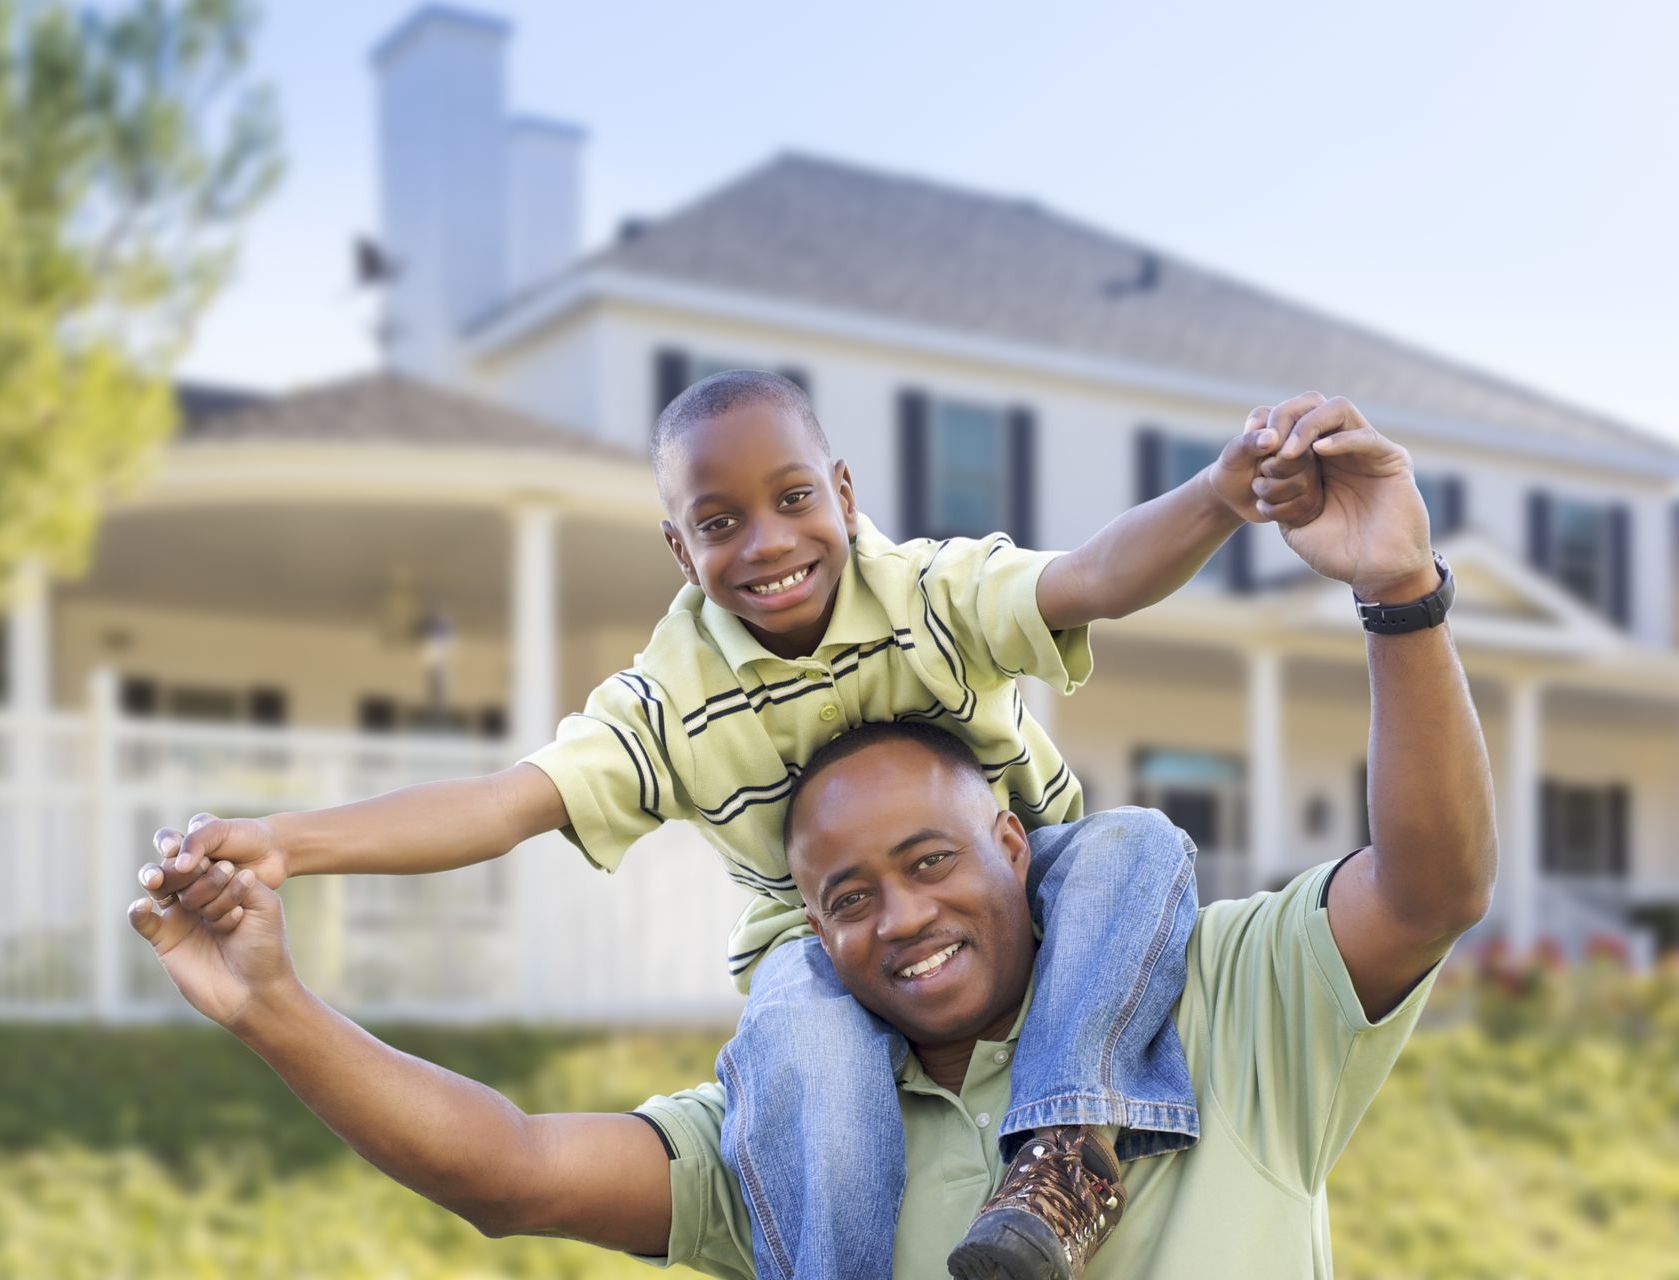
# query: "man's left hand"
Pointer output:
{"type": "Point", "coordinates": [1373, 530]}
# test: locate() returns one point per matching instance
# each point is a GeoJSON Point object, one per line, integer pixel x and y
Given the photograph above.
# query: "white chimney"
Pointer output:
{"type": "Point", "coordinates": [544, 164]}
{"type": "Point", "coordinates": [443, 182]}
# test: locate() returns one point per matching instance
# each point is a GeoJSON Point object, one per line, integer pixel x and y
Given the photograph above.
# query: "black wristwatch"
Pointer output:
{"type": "Point", "coordinates": [1396, 619]}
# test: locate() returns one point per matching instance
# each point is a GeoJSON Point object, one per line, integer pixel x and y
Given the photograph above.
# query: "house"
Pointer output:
{"type": "Point", "coordinates": [411, 574]}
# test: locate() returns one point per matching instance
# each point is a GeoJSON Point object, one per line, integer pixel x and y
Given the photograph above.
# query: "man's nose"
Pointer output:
{"type": "Point", "coordinates": [904, 914]}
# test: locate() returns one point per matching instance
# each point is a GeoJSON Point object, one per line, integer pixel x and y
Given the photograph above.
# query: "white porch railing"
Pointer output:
{"type": "Point", "coordinates": [535, 935]}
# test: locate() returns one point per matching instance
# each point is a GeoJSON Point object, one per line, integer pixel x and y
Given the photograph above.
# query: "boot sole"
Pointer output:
{"type": "Point", "coordinates": [1009, 1244]}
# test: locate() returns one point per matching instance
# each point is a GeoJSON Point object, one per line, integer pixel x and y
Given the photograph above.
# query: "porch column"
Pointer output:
{"type": "Point", "coordinates": [111, 866]}
{"type": "Point", "coordinates": [1266, 801]}
{"type": "Point", "coordinates": [28, 698]}
{"type": "Point", "coordinates": [532, 698]}
{"type": "Point", "coordinates": [1518, 873]}
{"type": "Point", "coordinates": [535, 598]}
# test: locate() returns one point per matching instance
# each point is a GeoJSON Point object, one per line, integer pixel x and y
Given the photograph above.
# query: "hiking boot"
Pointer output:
{"type": "Point", "coordinates": [1059, 1200]}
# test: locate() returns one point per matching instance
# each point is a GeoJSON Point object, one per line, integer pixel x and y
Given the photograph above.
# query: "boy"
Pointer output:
{"type": "Point", "coordinates": [800, 621]}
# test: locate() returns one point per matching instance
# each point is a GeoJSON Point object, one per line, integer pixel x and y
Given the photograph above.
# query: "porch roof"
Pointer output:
{"type": "Point", "coordinates": [376, 407]}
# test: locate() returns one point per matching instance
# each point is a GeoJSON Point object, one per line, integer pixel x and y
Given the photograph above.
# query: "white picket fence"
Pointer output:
{"type": "Point", "coordinates": [538, 935]}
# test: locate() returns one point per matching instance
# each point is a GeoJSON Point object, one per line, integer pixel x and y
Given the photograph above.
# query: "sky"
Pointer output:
{"type": "Point", "coordinates": [1494, 181]}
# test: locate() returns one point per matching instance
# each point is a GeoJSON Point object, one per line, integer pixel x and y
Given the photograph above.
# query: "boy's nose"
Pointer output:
{"type": "Point", "coordinates": [770, 540]}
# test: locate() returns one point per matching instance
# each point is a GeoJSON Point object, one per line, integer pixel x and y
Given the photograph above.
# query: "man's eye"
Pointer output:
{"type": "Point", "coordinates": [932, 860]}
{"type": "Point", "coordinates": [850, 903]}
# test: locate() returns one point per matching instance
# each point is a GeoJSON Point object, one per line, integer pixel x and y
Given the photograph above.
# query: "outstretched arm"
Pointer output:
{"type": "Point", "coordinates": [604, 1179]}
{"type": "Point", "coordinates": [1397, 906]}
{"type": "Point", "coordinates": [1145, 554]}
{"type": "Point", "coordinates": [433, 826]}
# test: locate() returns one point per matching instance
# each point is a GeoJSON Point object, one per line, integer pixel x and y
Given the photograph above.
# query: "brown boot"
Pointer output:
{"type": "Point", "coordinates": [1059, 1200]}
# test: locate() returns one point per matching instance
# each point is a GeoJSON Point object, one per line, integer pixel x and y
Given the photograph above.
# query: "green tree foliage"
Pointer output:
{"type": "Point", "coordinates": [132, 144]}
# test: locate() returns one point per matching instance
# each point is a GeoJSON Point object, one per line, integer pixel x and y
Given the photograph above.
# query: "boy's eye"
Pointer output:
{"type": "Point", "coordinates": [720, 524]}
{"type": "Point", "coordinates": [793, 499]}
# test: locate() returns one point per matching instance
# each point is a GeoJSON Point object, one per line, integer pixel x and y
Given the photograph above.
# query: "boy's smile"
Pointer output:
{"type": "Point", "coordinates": [761, 520]}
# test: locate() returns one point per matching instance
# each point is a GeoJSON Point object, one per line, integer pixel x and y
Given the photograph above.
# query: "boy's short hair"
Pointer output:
{"type": "Point", "coordinates": [941, 742]}
{"type": "Point", "coordinates": [714, 396]}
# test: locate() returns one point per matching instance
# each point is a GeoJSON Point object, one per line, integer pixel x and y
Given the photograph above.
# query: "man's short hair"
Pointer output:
{"type": "Point", "coordinates": [714, 396]}
{"type": "Point", "coordinates": [943, 744]}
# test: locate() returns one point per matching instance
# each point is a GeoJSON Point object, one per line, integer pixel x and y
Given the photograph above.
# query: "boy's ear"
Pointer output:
{"type": "Point", "coordinates": [1011, 835]}
{"type": "Point", "coordinates": [673, 540]}
{"type": "Point", "coordinates": [847, 496]}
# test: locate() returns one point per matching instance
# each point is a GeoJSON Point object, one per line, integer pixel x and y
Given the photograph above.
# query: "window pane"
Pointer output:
{"type": "Point", "coordinates": [1580, 549]}
{"type": "Point", "coordinates": [966, 470]}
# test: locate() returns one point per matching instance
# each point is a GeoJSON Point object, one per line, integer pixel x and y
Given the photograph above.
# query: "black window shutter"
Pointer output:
{"type": "Point", "coordinates": [798, 377]}
{"type": "Point", "coordinates": [1620, 563]}
{"type": "Point", "coordinates": [1240, 552]}
{"type": "Point", "coordinates": [1151, 463]}
{"type": "Point", "coordinates": [267, 706]}
{"type": "Point", "coordinates": [1617, 803]}
{"type": "Point", "coordinates": [1550, 826]}
{"type": "Point", "coordinates": [1451, 499]}
{"type": "Point", "coordinates": [1023, 461]}
{"type": "Point", "coordinates": [912, 462]}
{"type": "Point", "coordinates": [672, 372]}
{"type": "Point", "coordinates": [1539, 529]}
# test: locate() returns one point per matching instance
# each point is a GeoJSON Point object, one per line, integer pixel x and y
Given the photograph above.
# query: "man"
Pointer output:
{"type": "Point", "coordinates": [1296, 1006]}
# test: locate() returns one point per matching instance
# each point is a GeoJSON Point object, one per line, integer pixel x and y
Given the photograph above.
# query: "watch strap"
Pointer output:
{"type": "Point", "coordinates": [1417, 615]}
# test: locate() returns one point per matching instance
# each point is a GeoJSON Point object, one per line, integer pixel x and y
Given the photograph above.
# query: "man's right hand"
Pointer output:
{"type": "Point", "coordinates": [229, 955]}
{"type": "Point", "coordinates": [200, 862]}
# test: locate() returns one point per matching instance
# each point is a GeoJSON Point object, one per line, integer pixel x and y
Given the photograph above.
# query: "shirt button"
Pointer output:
{"type": "Point", "coordinates": [829, 712]}
{"type": "Point", "coordinates": [983, 1119]}
{"type": "Point", "coordinates": [1001, 1056]}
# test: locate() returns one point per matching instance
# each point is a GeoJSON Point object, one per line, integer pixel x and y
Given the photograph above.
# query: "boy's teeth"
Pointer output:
{"type": "Point", "coordinates": [791, 580]}
{"type": "Point", "coordinates": [930, 963]}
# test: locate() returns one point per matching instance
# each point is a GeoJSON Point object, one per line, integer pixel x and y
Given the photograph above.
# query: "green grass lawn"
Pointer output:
{"type": "Point", "coordinates": [1531, 1130]}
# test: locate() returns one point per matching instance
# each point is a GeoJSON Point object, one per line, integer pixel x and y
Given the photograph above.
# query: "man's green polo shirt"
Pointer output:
{"type": "Point", "coordinates": [710, 727]}
{"type": "Point", "coordinates": [1284, 1064]}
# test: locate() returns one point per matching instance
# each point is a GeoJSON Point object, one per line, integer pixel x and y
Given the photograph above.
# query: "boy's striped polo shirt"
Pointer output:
{"type": "Point", "coordinates": [711, 728]}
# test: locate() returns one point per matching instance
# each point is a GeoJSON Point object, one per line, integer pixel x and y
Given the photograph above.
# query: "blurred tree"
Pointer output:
{"type": "Point", "coordinates": [132, 144]}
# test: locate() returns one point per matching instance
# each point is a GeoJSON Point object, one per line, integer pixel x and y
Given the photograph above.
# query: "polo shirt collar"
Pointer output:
{"type": "Point", "coordinates": [913, 1078]}
{"type": "Point", "coordinates": [858, 617]}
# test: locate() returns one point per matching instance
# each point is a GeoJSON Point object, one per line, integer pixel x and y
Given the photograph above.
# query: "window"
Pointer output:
{"type": "Point", "coordinates": [1585, 547]}
{"type": "Point", "coordinates": [1583, 830]}
{"type": "Point", "coordinates": [378, 713]}
{"type": "Point", "coordinates": [1443, 496]}
{"type": "Point", "coordinates": [966, 469]}
{"type": "Point", "coordinates": [674, 371]}
{"type": "Point", "coordinates": [966, 493]}
{"type": "Point", "coordinates": [1164, 461]}
{"type": "Point", "coordinates": [1204, 793]}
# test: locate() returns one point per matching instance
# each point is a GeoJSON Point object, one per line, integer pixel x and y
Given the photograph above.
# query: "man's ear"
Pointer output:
{"type": "Point", "coordinates": [673, 540]}
{"type": "Point", "coordinates": [1011, 836]}
{"type": "Point", "coordinates": [847, 496]}
{"type": "Point", "coordinates": [815, 922]}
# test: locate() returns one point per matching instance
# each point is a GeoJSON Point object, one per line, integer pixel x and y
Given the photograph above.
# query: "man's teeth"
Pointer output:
{"type": "Point", "coordinates": [791, 580]}
{"type": "Point", "coordinates": [930, 963]}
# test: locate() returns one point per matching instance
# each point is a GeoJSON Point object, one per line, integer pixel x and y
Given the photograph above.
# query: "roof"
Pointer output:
{"type": "Point", "coordinates": [816, 231]}
{"type": "Point", "coordinates": [374, 407]}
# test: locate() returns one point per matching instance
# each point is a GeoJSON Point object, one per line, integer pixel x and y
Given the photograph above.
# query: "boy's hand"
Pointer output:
{"type": "Point", "coordinates": [209, 840]}
{"type": "Point", "coordinates": [226, 957]}
{"type": "Point", "coordinates": [1259, 485]}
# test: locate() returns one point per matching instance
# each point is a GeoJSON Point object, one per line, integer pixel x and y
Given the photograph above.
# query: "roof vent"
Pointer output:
{"type": "Point", "coordinates": [1141, 280]}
